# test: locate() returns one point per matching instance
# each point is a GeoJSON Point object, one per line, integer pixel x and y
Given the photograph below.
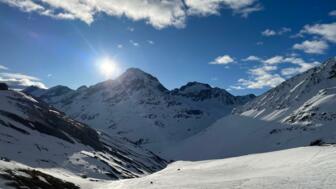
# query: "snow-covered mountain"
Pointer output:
{"type": "Point", "coordinates": [39, 136]}
{"type": "Point", "coordinates": [137, 106]}
{"type": "Point", "coordinates": [306, 99]}
{"type": "Point", "coordinates": [299, 112]}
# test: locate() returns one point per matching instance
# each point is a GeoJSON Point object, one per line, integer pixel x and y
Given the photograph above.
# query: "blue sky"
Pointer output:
{"type": "Point", "coordinates": [244, 46]}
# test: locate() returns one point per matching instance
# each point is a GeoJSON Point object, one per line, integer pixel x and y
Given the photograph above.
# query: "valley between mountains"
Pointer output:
{"type": "Point", "coordinates": [133, 128]}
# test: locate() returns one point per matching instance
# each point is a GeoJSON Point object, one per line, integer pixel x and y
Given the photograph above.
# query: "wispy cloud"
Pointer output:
{"type": "Point", "coordinates": [3, 67]}
{"type": "Point", "coordinates": [150, 42]}
{"type": "Point", "coordinates": [20, 81]}
{"type": "Point", "coordinates": [159, 14]}
{"type": "Point", "coordinates": [274, 60]}
{"type": "Point", "coordinates": [251, 58]}
{"type": "Point", "coordinates": [332, 13]}
{"type": "Point", "coordinates": [300, 66]}
{"type": "Point", "coordinates": [242, 7]}
{"type": "Point", "coordinates": [131, 29]}
{"type": "Point", "coordinates": [268, 73]}
{"type": "Point", "coordinates": [261, 77]}
{"type": "Point", "coordinates": [326, 31]}
{"type": "Point", "coordinates": [135, 44]}
{"type": "Point", "coordinates": [270, 32]}
{"type": "Point", "coordinates": [259, 43]}
{"type": "Point", "coordinates": [312, 47]}
{"type": "Point", "coordinates": [223, 60]}
{"type": "Point", "coordinates": [322, 33]}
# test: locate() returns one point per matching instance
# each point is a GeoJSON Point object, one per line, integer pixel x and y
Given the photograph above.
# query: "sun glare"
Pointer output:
{"type": "Point", "coordinates": [108, 67]}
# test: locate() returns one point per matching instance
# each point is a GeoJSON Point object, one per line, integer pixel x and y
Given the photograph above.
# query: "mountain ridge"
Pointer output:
{"type": "Point", "coordinates": [299, 112]}
{"type": "Point", "coordinates": [137, 106]}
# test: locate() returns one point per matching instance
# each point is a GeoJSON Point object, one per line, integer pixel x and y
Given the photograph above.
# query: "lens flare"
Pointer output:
{"type": "Point", "coordinates": [108, 67]}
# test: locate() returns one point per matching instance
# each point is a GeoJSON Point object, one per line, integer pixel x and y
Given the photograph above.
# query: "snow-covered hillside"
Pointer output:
{"type": "Point", "coordinates": [308, 168]}
{"type": "Point", "coordinates": [299, 112]}
{"type": "Point", "coordinates": [39, 136]}
{"type": "Point", "coordinates": [306, 99]}
{"type": "Point", "coordinates": [305, 167]}
{"type": "Point", "coordinates": [136, 105]}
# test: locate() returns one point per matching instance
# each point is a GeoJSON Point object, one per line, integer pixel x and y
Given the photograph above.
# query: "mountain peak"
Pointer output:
{"type": "Point", "coordinates": [193, 87]}
{"type": "Point", "coordinates": [138, 78]}
{"type": "Point", "coordinates": [136, 73]}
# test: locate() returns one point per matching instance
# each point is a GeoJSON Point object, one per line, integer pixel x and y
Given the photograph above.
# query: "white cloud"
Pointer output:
{"type": "Point", "coordinates": [226, 59]}
{"type": "Point", "coordinates": [252, 58]}
{"type": "Point", "coordinates": [274, 60]}
{"type": "Point", "coordinates": [3, 67]}
{"type": "Point", "coordinates": [236, 87]}
{"type": "Point", "coordinates": [301, 66]}
{"type": "Point", "coordinates": [20, 81]}
{"type": "Point", "coordinates": [120, 46]}
{"type": "Point", "coordinates": [284, 30]}
{"type": "Point", "coordinates": [24, 5]}
{"type": "Point", "coordinates": [135, 44]}
{"type": "Point", "coordinates": [326, 31]}
{"type": "Point", "coordinates": [267, 74]}
{"type": "Point", "coordinates": [332, 13]}
{"type": "Point", "coordinates": [207, 7]}
{"type": "Point", "coordinates": [262, 77]}
{"type": "Point", "coordinates": [312, 47]}
{"type": "Point", "coordinates": [158, 13]}
{"type": "Point", "coordinates": [268, 32]}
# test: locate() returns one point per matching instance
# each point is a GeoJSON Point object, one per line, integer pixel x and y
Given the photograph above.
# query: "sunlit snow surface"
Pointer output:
{"type": "Point", "coordinates": [305, 167]}
{"type": "Point", "coordinates": [309, 167]}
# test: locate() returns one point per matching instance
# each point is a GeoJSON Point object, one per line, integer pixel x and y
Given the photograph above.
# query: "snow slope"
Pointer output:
{"type": "Point", "coordinates": [137, 106]}
{"type": "Point", "coordinates": [308, 168]}
{"type": "Point", "coordinates": [298, 112]}
{"type": "Point", "coordinates": [237, 135]}
{"type": "Point", "coordinates": [39, 136]}
{"type": "Point", "coordinates": [308, 98]}
{"type": "Point", "coordinates": [305, 167]}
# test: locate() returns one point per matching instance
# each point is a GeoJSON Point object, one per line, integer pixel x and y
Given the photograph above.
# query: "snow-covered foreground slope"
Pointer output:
{"type": "Point", "coordinates": [39, 136]}
{"type": "Point", "coordinates": [308, 168]}
{"type": "Point", "coordinates": [305, 167]}
{"type": "Point", "coordinates": [137, 106]}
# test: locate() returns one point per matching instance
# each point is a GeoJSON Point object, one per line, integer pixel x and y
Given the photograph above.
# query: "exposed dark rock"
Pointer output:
{"type": "Point", "coordinates": [3, 86]}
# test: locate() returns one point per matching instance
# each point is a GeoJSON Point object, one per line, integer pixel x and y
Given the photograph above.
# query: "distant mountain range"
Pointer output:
{"type": "Point", "coordinates": [181, 123]}
{"type": "Point", "coordinates": [135, 112]}
{"type": "Point", "coordinates": [137, 106]}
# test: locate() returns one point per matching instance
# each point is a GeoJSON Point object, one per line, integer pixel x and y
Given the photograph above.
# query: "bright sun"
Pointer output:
{"type": "Point", "coordinates": [108, 67]}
